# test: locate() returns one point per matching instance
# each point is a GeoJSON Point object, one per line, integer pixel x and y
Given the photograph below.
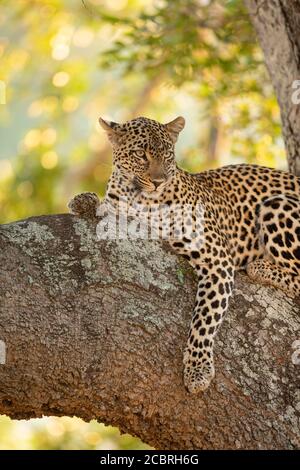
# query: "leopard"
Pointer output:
{"type": "Point", "coordinates": [250, 221]}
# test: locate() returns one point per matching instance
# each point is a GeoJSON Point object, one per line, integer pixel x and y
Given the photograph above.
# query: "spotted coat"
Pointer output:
{"type": "Point", "coordinates": [250, 219]}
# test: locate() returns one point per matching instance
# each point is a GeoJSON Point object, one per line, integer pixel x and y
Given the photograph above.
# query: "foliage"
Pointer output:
{"type": "Point", "coordinates": [189, 40]}
{"type": "Point", "coordinates": [210, 46]}
{"type": "Point", "coordinates": [66, 62]}
{"type": "Point", "coordinates": [63, 434]}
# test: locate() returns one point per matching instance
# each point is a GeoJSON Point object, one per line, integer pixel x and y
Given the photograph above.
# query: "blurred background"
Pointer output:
{"type": "Point", "coordinates": [66, 62]}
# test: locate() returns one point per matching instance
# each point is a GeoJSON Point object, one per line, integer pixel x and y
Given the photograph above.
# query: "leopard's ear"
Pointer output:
{"type": "Point", "coordinates": [112, 129]}
{"type": "Point", "coordinates": [174, 127]}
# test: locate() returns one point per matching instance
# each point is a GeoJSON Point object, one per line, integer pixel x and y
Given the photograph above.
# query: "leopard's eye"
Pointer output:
{"type": "Point", "coordinates": [140, 154]}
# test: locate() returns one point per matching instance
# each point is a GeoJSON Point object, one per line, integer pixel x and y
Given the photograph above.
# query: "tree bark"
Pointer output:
{"type": "Point", "coordinates": [277, 24]}
{"type": "Point", "coordinates": [97, 329]}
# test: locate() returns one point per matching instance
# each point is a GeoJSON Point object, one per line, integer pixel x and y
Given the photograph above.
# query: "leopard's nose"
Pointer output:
{"type": "Point", "coordinates": [157, 182]}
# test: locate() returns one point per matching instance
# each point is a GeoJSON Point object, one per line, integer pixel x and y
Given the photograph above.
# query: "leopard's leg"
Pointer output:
{"type": "Point", "coordinates": [215, 287]}
{"type": "Point", "coordinates": [264, 272]}
{"type": "Point", "coordinates": [84, 205]}
{"type": "Point", "coordinates": [279, 232]}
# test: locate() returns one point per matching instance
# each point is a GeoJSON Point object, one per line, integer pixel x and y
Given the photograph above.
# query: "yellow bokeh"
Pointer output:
{"type": "Point", "coordinates": [60, 51]}
{"type": "Point", "coordinates": [35, 109]}
{"type": "Point", "coordinates": [52, 54]}
{"type": "Point", "coordinates": [25, 189]}
{"type": "Point", "coordinates": [60, 79]}
{"type": "Point", "coordinates": [83, 37]}
{"type": "Point", "coordinates": [48, 136]}
{"type": "Point", "coordinates": [49, 160]}
{"type": "Point", "coordinates": [32, 138]}
{"type": "Point", "coordinates": [70, 104]}
{"type": "Point", "coordinates": [6, 169]}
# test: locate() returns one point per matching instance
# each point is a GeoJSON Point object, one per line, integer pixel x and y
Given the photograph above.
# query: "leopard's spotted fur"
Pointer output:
{"type": "Point", "coordinates": [251, 221]}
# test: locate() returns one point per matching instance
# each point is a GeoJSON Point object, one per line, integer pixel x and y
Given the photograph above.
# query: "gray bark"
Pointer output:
{"type": "Point", "coordinates": [97, 329]}
{"type": "Point", "coordinates": [277, 24]}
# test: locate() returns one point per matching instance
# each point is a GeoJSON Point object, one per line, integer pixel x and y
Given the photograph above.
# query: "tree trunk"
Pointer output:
{"type": "Point", "coordinates": [97, 329]}
{"type": "Point", "coordinates": [277, 23]}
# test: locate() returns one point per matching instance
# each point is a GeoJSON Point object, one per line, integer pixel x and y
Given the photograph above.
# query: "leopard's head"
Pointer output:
{"type": "Point", "coordinates": [143, 150]}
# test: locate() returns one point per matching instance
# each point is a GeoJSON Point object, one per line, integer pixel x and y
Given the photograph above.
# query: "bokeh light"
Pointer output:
{"type": "Point", "coordinates": [66, 63]}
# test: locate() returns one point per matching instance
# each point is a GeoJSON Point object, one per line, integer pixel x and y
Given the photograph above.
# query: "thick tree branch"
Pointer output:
{"type": "Point", "coordinates": [277, 24]}
{"type": "Point", "coordinates": [97, 329]}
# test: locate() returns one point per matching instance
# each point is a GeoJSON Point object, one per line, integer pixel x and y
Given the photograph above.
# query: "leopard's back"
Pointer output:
{"type": "Point", "coordinates": [237, 195]}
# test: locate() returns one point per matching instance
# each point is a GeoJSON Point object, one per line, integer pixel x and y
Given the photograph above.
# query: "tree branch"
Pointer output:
{"type": "Point", "coordinates": [97, 330]}
{"type": "Point", "coordinates": [277, 26]}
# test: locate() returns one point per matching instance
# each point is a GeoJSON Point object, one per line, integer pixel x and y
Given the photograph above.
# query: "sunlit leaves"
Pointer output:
{"type": "Point", "coordinates": [181, 37]}
{"type": "Point", "coordinates": [65, 62]}
{"type": "Point", "coordinates": [63, 434]}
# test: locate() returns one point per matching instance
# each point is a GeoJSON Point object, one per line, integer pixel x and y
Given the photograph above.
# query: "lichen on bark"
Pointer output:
{"type": "Point", "coordinates": [96, 329]}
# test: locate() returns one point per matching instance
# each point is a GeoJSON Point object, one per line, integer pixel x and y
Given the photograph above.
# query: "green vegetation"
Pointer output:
{"type": "Point", "coordinates": [66, 62]}
{"type": "Point", "coordinates": [63, 433]}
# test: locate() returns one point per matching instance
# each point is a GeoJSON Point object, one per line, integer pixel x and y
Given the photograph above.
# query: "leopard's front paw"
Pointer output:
{"type": "Point", "coordinates": [198, 375]}
{"type": "Point", "coordinates": [84, 205]}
